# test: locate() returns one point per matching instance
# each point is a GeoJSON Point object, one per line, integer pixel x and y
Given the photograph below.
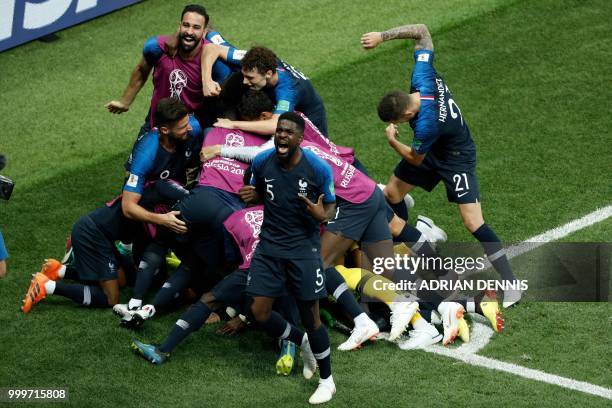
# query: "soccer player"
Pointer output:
{"type": "Point", "coordinates": [262, 70]}
{"type": "Point", "coordinates": [175, 61]}
{"type": "Point", "coordinates": [442, 148]}
{"type": "Point", "coordinates": [244, 227]}
{"type": "Point", "coordinates": [287, 179]}
{"type": "Point", "coordinates": [162, 153]}
{"type": "Point", "coordinates": [206, 208]}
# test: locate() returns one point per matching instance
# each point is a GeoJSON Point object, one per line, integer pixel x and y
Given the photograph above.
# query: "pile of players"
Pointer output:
{"type": "Point", "coordinates": [237, 201]}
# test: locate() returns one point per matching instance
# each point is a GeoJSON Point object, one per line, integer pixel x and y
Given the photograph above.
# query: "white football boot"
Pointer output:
{"type": "Point", "coordinates": [432, 232]}
{"type": "Point", "coordinates": [451, 313]}
{"type": "Point", "coordinates": [360, 334]}
{"type": "Point", "coordinates": [419, 339]}
{"type": "Point", "coordinates": [324, 392]}
{"type": "Point", "coordinates": [401, 314]}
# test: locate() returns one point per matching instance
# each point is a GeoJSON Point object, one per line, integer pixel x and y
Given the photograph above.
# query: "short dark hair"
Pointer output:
{"type": "Point", "coordinates": [253, 104]}
{"type": "Point", "coordinates": [295, 118]}
{"type": "Point", "coordinates": [393, 105]}
{"type": "Point", "coordinates": [261, 59]}
{"type": "Point", "coordinates": [196, 8]}
{"type": "Point", "coordinates": [168, 111]}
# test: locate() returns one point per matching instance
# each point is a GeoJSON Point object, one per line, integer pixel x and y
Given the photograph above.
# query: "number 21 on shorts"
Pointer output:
{"type": "Point", "coordinates": [460, 179]}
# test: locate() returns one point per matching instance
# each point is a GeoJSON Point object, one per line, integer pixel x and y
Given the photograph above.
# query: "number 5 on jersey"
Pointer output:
{"type": "Point", "coordinates": [269, 192]}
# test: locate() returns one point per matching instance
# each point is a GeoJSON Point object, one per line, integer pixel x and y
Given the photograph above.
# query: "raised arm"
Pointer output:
{"type": "Point", "coordinates": [210, 54]}
{"type": "Point", "coordinates": [138, 78]}
{"type": "Point", "coordinates": [261, 127]}
{"type": "Point", "coordinates": [418, 32]}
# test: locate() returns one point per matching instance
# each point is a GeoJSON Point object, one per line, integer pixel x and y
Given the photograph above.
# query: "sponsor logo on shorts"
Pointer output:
{"type": "Point", "coordinates": [424, 57]}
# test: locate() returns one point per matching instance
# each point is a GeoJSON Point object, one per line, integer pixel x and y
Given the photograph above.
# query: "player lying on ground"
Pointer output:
{"type": "Point", "coordinates": [163, 152]}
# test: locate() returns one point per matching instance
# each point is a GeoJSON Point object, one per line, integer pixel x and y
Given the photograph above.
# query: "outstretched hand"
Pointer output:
{"type": "Point", "coordinates": [174, 224]}
{"type": "Point", "coordinates": [117, 107]}
{"type": "Point", "coordinates": [209, 152]}
{"type": "Point", "coordinates": [232, 327]}
{"type": "Point", "coordinates": [371, 40]}
{"type": "Point", "coordinates": [248, 194]}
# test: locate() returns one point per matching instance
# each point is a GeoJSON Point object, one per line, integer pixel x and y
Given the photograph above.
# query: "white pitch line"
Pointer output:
{"type": "Point", "coordinates": [491, 363]}
{"type": "Point", "coordinates": [481, 337]}
{"type": "Point", "coordinates": [560, 232]}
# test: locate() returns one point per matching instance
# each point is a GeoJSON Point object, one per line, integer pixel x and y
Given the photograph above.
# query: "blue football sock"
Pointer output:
{"type": "Point", "coordinates": [278, 327]}
{"type": "Point", "coordinates": [172, 288]}
{"type": "Point", "coordinates": [152, 260]}
{"type": "Point", "coordinates": [319, 343]}
{"type": "Point", "coordinates": [190, 321]}
{"type": "Point", "coordinates": [495, 251]}
{"type": "Point", "coordinates": [89, 296]}
{"type": "Point", "coordinates": [337, 287]}
{"type": "Point", "coordinates": [400, 209]}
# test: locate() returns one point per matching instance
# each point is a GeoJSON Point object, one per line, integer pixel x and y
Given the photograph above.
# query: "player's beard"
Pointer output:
{"type": "Point", "coordinates": [188, 47]}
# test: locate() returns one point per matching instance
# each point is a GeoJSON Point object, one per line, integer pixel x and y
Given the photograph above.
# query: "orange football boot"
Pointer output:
{"type": "Point", "coordinates": [36, 292]}
{"type": "Point", "coordinates": [51, 268]}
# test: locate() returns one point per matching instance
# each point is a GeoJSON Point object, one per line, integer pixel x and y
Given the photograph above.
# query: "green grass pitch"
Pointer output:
{"type": "Point", "coordinates": [533, 81]}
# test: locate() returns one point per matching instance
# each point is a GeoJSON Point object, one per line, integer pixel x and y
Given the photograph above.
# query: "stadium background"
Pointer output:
{"type": "Point", "coordinates": [532, 80]}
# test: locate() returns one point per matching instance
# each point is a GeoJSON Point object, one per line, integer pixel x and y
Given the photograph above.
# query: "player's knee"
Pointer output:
{"type": "Point", "coordinates": [208, 299]}
{"type": "Point", "coordinates": [472, 223]}
{"type": "Point", "coordinates": [261, 312]}
{"type": "Point", "coordinates": [396, 225]}
{"type": "Point", "coordinates": [392, 194]}
{"type": "Point", "coordinates": [333, 280]}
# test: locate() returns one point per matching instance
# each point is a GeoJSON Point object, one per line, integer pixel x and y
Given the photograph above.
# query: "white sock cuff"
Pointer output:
{"type": "Point", "coordinates": [50, 287]}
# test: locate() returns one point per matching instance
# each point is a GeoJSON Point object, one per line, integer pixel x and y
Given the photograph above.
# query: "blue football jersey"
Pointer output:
{"type": "Point", "coordinates": [288, 230]}
{"type": "Point", "coordinates": [149, 161]}
{"type": "Point", "coordinates": [439, 127]}
{"type": "Point", "coordinates": [294, 91]}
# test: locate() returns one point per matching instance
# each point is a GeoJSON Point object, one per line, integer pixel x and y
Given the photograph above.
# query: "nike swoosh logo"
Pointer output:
{"type": "Point", "coordinates": [320, 289]}
{"type": "Point", "coordinates": [268, 180]}
{"type": "Point", "coordinates": [462, 194]}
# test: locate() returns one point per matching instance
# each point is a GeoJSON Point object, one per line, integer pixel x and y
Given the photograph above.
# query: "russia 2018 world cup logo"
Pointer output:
{"type": "Point", "coordinates": [254, 219]}
{"type": "Point", "coordinates": [234, 140]}
{"type": "Point", "coordinates": [178, 81]}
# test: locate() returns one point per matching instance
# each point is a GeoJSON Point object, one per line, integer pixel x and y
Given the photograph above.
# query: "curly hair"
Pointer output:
{"type": "Point", "coordinates": [261, 59]}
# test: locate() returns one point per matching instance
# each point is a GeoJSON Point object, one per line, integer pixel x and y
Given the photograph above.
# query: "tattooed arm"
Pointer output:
{"type": "Point", "coordinates": [418, 32]}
